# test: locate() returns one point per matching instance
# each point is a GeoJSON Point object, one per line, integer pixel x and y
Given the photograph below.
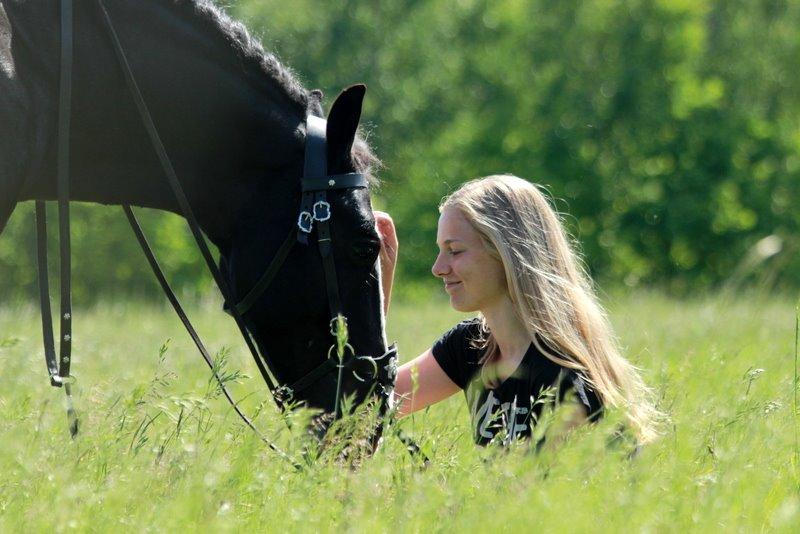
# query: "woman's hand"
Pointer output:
{"type": "Point", "coordinates": [388, 255]}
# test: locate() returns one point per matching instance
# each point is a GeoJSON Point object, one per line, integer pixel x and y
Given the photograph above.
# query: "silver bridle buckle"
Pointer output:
{"type": "Point", "coordinates": [305, 222]}
{"type": "Point", "coordinates": [322, 211]}
{"type": "Point", "coordinates": [374, 370]}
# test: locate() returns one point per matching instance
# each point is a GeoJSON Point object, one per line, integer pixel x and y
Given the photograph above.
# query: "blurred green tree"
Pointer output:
{"type": "Point", "coordinates": [667, 130]}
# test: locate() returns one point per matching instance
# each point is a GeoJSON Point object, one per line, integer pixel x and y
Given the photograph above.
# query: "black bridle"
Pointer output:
{"type": "Point", "coordinates": [315, 210]}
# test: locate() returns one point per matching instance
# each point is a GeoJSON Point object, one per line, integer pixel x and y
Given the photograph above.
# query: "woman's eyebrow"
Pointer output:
{"type": "Point", "coordinates": [448, 241]}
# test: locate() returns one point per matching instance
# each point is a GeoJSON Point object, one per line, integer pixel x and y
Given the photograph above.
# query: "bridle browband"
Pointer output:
{"type": "Point", "coordinates": [315, 210]}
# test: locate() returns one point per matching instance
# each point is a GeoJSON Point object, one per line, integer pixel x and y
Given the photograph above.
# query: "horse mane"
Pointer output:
{"type": "Point", "coordinates": [252, 52]}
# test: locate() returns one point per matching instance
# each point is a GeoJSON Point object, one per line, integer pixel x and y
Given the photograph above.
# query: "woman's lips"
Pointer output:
{"type": "Point", "coordinates": [449, 286]}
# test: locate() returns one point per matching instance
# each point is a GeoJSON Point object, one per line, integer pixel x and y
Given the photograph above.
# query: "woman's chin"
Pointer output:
{"type": "Point", "coordinates": [460, 306]}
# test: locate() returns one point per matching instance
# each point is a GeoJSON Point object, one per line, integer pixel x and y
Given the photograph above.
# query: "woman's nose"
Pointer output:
{"type": "Point", "coordinates": [440, 266]}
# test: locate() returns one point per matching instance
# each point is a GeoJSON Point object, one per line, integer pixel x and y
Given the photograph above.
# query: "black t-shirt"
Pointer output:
{"type": "Point", "coordinates": [513, 407]}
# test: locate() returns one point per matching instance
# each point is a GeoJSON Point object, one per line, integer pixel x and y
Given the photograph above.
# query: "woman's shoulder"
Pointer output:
{"type": "Point", "coordinates": [459, 349]}
{"type": "Point", "coordinates": [464, 336]}
{"type": "Point", "coordinates": [468, 327]}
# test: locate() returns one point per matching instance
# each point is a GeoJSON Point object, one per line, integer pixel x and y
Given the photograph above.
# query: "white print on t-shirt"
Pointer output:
{"type": "Point", "coordinates": [486, 414]}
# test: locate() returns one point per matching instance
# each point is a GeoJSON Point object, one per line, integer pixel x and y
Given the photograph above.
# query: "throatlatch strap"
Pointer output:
{"type": "Point", "coordinates": [266, 279]}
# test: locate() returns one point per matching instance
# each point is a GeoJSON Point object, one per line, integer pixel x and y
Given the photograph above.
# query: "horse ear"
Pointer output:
{"type": "Point", "coordinates": [342, 125]}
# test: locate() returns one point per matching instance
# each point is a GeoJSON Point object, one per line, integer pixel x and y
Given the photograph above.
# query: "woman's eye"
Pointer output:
{"type": "Point", "coordinates": [455, 252]}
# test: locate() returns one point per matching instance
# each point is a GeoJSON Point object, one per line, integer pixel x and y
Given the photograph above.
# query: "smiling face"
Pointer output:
{"type": "Point", "coordinates": [473, 278]}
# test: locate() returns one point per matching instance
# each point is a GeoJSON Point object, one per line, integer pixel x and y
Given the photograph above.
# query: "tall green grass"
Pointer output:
{"type": "Point", "coordinates": [159, 449]}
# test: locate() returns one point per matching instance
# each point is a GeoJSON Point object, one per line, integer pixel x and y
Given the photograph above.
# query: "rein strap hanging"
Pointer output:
{"type": "Point", "coordinates": [58, 367]}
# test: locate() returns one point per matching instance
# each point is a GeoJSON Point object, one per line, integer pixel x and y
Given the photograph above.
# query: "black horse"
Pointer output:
{"type": "Point", "coordinates": [233, 120]}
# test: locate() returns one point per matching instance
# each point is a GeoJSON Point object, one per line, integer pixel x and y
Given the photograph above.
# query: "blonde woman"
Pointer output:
{"type": "Point", "coordinates": [540, 336]}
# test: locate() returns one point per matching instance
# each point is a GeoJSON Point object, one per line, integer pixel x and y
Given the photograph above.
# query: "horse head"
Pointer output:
{"type": "Point", "coordinates": [174, 104]}
{"type": "Point", "coordinates": [292, 319]}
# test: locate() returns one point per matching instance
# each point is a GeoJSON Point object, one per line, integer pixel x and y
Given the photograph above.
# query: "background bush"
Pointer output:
{"type": "Point", "coordinates": [668, 131]}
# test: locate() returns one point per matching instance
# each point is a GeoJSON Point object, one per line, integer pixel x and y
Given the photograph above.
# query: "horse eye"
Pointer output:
{"type": "Point", "coordinates": [366, 251]}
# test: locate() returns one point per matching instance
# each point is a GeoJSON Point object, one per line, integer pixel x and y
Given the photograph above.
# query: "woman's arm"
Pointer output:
{"type": "Point", "coordinates": [420, 383]}
{"type": "Point", "coordinates": [388, 256]}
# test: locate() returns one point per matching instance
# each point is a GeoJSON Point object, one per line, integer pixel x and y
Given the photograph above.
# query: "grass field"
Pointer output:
{"type": "Point", "coordinates": [724, 369]}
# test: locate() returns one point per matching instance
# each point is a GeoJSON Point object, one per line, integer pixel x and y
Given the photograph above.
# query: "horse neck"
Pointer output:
{"type": "Point", "coordinates": [226, 124]}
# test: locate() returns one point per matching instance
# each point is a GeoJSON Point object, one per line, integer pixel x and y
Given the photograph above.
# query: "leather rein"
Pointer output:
{"type": "Point", "coordinates": [314, 211]}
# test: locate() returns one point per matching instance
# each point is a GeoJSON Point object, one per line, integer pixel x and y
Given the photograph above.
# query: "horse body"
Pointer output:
{"type": "Point", "coordinates": [221, 126]}
{"type": "Point", "coordinates": [14, 128]}
{"type": "Point", "coordinates": [232, 120]}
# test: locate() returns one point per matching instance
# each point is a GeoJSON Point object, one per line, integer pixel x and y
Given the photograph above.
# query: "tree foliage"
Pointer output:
{"type": "Point", "coordinates": [667, 130]}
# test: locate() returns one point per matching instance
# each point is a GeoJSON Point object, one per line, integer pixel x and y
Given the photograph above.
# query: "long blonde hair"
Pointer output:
{"type": "Point", "coordinates": [551, 293]}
